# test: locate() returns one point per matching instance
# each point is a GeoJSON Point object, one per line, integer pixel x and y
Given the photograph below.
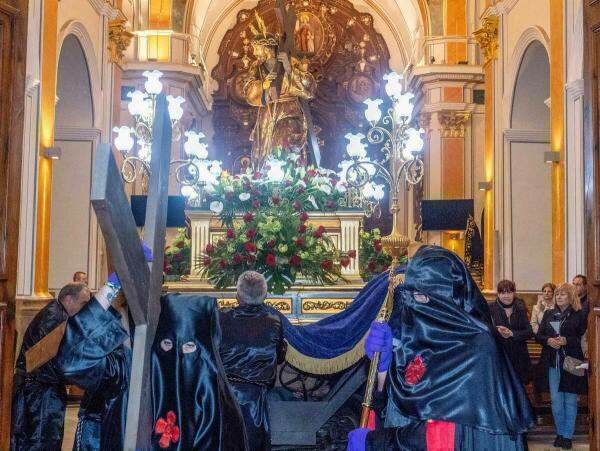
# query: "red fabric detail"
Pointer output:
{"type": "Point", "coordinates": [168, 431]}
{"type": "Point", "coordinates": [371, 422]}
{"type": "Point", "coordinates": [415, 371]}
{"type": "Point", "coordinates": [440, 436]}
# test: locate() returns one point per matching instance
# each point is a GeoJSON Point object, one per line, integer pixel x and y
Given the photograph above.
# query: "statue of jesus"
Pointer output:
{"type": "Point", "coordinates": [280, 121]}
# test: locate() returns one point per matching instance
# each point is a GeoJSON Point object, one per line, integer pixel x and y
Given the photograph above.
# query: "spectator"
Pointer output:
{"type": "Point", "coordinates": [545, 302]}
{"type": "Point", "coordinates": [560, 334]}
{"type": "Point", "coordinates": [80, 277]}
{"type": "Point", "coordinates": [509, 316]}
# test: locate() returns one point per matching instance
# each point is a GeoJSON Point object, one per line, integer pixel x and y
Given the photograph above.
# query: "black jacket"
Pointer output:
{"type": "Point", "coordinates": [515, 346]}
{"type": "Point", "coordinates": [572, 327]}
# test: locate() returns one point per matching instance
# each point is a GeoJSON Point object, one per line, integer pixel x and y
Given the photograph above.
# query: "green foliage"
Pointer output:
{"type": "Point", "coordinates": [178, 256]}
{"type": "Point", "coordinates": [372, 259]}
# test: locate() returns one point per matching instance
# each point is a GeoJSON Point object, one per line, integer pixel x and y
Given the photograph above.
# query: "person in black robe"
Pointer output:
{"type": "Point", "coordinates": [447, 381]}
{"type": "Point", "coordinates": [251, 349]}
{"type": "Point", "coordinates": [39, 396]}
{"type": "Point", "coordinates": [194, 407]}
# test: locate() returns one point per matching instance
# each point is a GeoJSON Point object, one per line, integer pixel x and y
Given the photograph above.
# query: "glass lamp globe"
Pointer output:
{"type": "Point", "coordinates": [123, 141]}
{"type": "Point", "coordinates": [355, 147]}
{"type": "Point", "coordinates": [189, 192]}
{"type": "Point", "coordinates": [216, 167]}
{"type": "Point", "coordinates": [414, 144]}
{"type": "Point", "coordinates": [175, 110]}
{"type": "Point", "coordinates": [373, 112]}
{"type": "Point", "coordinates": [153, 84]}
{"type": "Point", "coordinates": [393, 87]}
{"type": "Point", "coordinates": [403, 106]}
{"type": "Point", "coordinates": [193, 146]}
{"type": "Point", "coordinates": [137, 105]}
{"type": "Point", "coordinates": [378, 192]}
{"type": "Point", "coordinates": [368, 190]}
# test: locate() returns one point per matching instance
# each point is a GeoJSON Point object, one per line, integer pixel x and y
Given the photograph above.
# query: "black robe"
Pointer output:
{"type": "Point", "coordinates": [194, 407]}
{"type": "Point", "coordinates": [39, 398]}
{"type": "Point", "coordinates": [446, 364]}
{"type": "Point", "coordinates": [251, 348]}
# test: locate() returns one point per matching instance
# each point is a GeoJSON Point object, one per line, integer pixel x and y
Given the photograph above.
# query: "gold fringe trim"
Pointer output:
{"type": "Point", "coordinates": [313, 365]}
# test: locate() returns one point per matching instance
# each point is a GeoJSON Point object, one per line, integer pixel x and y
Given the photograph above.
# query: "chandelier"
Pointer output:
{"type": "Point", "coordinates": [135, 143]}
{"type": "Point", "coordinates": [397, 161]}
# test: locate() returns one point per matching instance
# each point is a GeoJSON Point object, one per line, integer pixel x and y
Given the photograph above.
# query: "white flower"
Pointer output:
{"type": "Point", "coordinates": [209, 188]}
{"type": "Point", "coordinates": [228, 189]}
{"type": "Point", "coordinates": [325, 188]}
{"type": "Point", "coordinates": [216, 207]}
{"type": "Point", "coordinates": [244, 197]}
{"type": "Point", "coordinates": [312, 200]}
{"type": "Point", "coordinates": [341, 187]}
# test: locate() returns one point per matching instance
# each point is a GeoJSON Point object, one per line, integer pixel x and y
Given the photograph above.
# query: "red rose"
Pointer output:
{"type": "Point", "coordinates": [255, 192]}
{"type": "Point", "coordinates": [317, 234]}
{"type": "Point", "coordinates": [345, 261]}
{"type": "Point", "coordinates": [384, 268]}
{"type": "Point", "coordinates": [230, 233]}
{"type": "Point", "coordinates": [251, 233]}
{"type": "Point", "coordinates": [248, 217]}
{"type": "Point", "coordinates": [311, 172]}
{"type": "Point", "coordinates": [303, 216]}
{"type": "Point", "coordinates": [372, 266]}
{"type": "Point", "coordinates": [255, 204]}
{"type": "Point", "coordinates": [352, 253]}
{"type": "Point", "coordinates": [178, 257]}
{"type": "Point", "coordinates": [321, 229]}
{"type": "Point", "coordinates": [210, 248]}
{"type": "Point", "coordinates": [206, 261]}
{"type": "Point", "coordinates": [238, 259]}
{"type": "Point", "coordinates": [287, 183]}
{"type": "Point", "coordinates": [167, 430]}
{"type": "Point", "coordinates": [220, 243]}
{"type": "Point", "coordinates": [377, 245]}
{"type": "Point", "coordinates": [275, 200]}
{"type": "Point", "coordinates": [333, 182]}
{"type": "Point", "coordinates": [250, 247]}
{"type": "Point", "coordinates": [180, 245]}
{"type": "Point", "coordinates": [257, 175]}
{"type": "Point", "coordinates": [330, 204]}
{"type": "Point", "coordinates": [327, 265]}
{"type": "Point", "coordinates": [300, 190]}
{"type": "Point", "coordinates": [299, 242]}
{"type": "Point", "coordinates": [251, 258]}
{"type": "Point", "coordinates": [301, 162]}
{"type": "Point", "coordinates": [271, 244]}
{"type": "Point", "coordinates": [415, 371]}
{"type": "Point", "coordinates": [270, 260]}
{"type": "Point", "coordinates": [228, 195]}
{"type": "Point", "coordinates": [223, 264]}
{"type": "Point", "coordinates": [305, 179]}
{"type": "Point", "coordinates": [167, 269]}
{"type": "Point", "coordinates": [295, 260]}
{"type": "Point", "coordinates": [297, 205]}
{"type": "Point", "coordinates": [303, 228]}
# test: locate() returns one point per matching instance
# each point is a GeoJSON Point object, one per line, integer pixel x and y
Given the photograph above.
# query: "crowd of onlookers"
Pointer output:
{"type": "Point", "coordinates": [558, 322]}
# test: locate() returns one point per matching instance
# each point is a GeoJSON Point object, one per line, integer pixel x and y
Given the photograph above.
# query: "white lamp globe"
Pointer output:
{"type": "Point", "coordinates": [368, 190]}
{"type": "Point", "coordinates": [414, 143]}
{"type": "Point", "coordinates": [153, 84]}
{"type": "Point", "coordinates": [378, 192]}
{"type": "Point", "coordinates": [373, 112]}
{"type": "Point", "coordinates": [193, 146]}
{"type": "Point", "coordinates": [370, 168]}
{"type": "Point", "coordinates": [403, 106]}
{"type": "Point", "coordinates": [393, 87]}
{"type": "Point", "coordinates": [189, 192]}
{"type": "Point", "coordinates": [355, 147]}
{"type": "Point", "coordinates": [216, 167]}
{"type": "Point", "coordinates": [175, 110]}
{"type": "Point", "coordinates": [136, 106]}
{"type": "Point", "coordinates": [344, 165]}
{"type": "Point", "coordinates": [123, 141]}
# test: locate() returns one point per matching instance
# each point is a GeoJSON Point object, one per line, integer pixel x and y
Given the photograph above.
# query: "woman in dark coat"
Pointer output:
{"type": "Point", "coordinates": [509, 316]}
{"type": "Point", "coordinates": [560, 335]}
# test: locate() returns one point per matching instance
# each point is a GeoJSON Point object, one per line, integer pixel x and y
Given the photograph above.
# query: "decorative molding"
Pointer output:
{"type": "Point", "coordinates": [501, 8]}
{"type": "Point", "coordinates": [104, 8]}
{"type": "Point", "coordinates": [575, 88]}
{"type": "Point", "coordinates": [454, 123]}
{"type": "Point", "coordinates": [31, 85]}
{"type": "Point", "coordinates": [487, 38]}
{"type": "Point", "coordinates": [527, 136]}
{"type": "Point", "coordinates": [77, 134]}
{"type": "Point", "coordinates": [118, 40]}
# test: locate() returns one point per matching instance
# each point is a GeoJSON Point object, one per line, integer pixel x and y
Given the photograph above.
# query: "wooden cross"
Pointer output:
{"type": "Point", "coordinates": [141, 281]}
{"type": "Point", "coordinates": [287, 19]}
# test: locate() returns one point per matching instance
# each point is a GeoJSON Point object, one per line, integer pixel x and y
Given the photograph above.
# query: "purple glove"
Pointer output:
{"type": "Point", "coordinates": [147, 252]}
{"type": "Point", "coordinates": [357, 439]}
{"type": "Point", "coordinates": [380, 340]}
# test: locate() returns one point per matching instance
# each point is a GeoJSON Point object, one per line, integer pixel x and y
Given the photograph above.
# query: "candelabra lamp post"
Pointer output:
{"type": "Point", "coordinates": [397, 161]}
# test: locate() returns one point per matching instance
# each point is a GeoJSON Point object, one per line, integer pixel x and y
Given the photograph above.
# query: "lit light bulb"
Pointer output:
{"type": "Point", "coordinates": [216, 167]}
{"type": "Point", "coordinates": [193, 146]}
{"type": "Point", "coordinates": [123, 141]}
{"type": "Point", "coordinates": [137, 105]}
{"type": "Point", "coordinates": [403, 107]}
{"type": "Point", "coordinates": [189, 192]}
{"type": "Point", "coordinates": [414, 144]}
{"type": "Point", "coordinates": [175, 110]}
{"type": "Point", "coordinates": [356, 148]}
{"type": "Point", "coordinates": [373, 112]}
{"type": "Point", "coordinates": [378, 191]}
{"type": "Point", "coordinates": [368, 190]}
{"type": "Point", "coordinates": [153, 84]}
{"type": "Point", "coordinates": [393, 87]}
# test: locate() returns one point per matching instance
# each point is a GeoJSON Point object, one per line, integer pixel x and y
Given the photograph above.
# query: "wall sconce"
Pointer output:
{"type": "Point", "coordinates": [53, 153]}
{"type": "Point", "coordinates": [551, 157]}
{"type": "Point", "coordinates": [484, 186]}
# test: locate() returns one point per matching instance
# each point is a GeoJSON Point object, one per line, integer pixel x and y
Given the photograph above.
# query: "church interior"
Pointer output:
{"type": "Point", "coordinates": [321, 143]}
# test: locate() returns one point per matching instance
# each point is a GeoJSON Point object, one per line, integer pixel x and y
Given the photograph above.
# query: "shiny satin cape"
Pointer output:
{"type": "Point", "coordinates": [193, 385]}
{"type": "Point", "coordinates": [38, 406]}
{"type": "Point", "coordinates": [92, 356]}
{"type": "Point", "coordinates": [468, 378]}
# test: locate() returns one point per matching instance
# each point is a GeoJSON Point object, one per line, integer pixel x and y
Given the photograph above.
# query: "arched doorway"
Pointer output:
{"type": "Point", "coordinates": [71, 237]}
{"type": "Point", "coordinates": [528, 210]}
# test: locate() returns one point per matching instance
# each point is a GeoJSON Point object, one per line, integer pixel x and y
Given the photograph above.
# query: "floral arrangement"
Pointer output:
{"type": "Point", "coordinates": [177, 256]}
{"type": "Point", "coordinates": [273, 236]}
{"type": "Point", "coordinates": [373, 260]}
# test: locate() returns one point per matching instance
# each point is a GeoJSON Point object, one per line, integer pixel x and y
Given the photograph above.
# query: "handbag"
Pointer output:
{"type": "Point", "coordinates": [570, 365]}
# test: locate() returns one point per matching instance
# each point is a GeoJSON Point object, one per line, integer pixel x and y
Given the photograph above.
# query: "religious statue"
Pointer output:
{"type": "Point", "coordinates": [304, 35]}
{"type": "Point", "coordinates": [281, 121]}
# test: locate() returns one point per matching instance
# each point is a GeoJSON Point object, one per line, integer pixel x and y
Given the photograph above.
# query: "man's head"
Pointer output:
{"type": "Point", "coordinates": [73, 297]}
{"type": "Point", "coordinates": [580, 282]}
{"type": "Point", "coordinates": [251, 288]}
{"type": "Point", "coordinates": [264, 44]}
{"type": "Point", "coordinates": [80, 277]}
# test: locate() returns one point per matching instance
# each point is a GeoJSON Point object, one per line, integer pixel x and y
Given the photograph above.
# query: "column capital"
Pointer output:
{"type": "Point", "coordinates": [453, 123]}
{"type": "Point", "coordinates": [118, 39]}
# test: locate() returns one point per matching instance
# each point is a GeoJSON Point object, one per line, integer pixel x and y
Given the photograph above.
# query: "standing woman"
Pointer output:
{"type": "Point", "coordinates": [510, 319]}
{"type": "Point", "coordinates": [545, 303]}
{"type": "Point", "coordinates": [560, 335]}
